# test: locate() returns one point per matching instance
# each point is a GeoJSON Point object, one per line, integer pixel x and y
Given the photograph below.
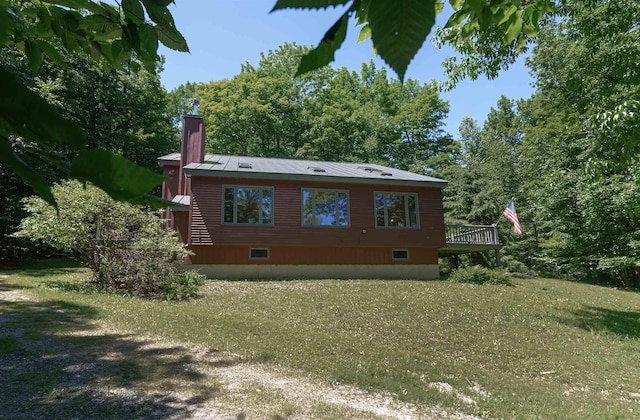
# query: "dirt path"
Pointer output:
{"type": "Point", "coordinates": [55, 363]}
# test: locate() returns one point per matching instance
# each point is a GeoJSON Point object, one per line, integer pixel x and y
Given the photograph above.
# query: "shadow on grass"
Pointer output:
{"type": "Point", "coordinates": [57, 364]}
{"type": "Point", "coordinates": [41, 267]}
{"type": "Point", "coordinates": [7, 287]}
{"type": "Point", "coordinates": [621, 323]}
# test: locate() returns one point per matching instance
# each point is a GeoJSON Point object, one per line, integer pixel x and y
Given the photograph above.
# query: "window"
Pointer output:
{"type": "Point", "coordinates": [248, 205]}
{"type": "Point", "coordinates": [258, 253]}
{"type": "Point", "coordinates": [325, 208]}
{"type": "Point", "coordinates": [397, 210]}
{"type": "Point", "coordinates": [400, 254]}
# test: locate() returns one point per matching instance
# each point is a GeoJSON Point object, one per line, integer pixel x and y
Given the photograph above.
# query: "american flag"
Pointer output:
{"type": "Point", "coordinates": [510, 213]}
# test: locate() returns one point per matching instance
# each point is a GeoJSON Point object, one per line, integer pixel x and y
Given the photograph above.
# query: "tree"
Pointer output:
{"type": "Point", "coordinates": [125, 246]}
{"type": "Point", "coordinates": [178, 104]}
{"type": "Point", "coordinates": [328, 114]}
{"type": "Point", "coordinates": [257, 112]}
{"type": "Point", "coordinates": [489, 177]}
{"type": "Point", "coordinates": [581, 141]}
{"type": "Point", "coordinates": [115, 35]}
{"type": "Point", "coordinates": [495, 31]}
{"type": "Point", "coordinates": [124, 112]}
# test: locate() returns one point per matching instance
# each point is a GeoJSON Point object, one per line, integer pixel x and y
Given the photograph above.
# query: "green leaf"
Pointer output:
{"type": "Point", "coordinates": [25, 172]}
{"type": "Point", "coordinates": [34, 55]}
{"type": "Point", "coordinates": [476, 7]}
{"type": "Point", "coordinates": [365, 33]}
{"type": "Point", "coordinates": [456, 4]}
{"type": "Point", "coordinates": [51, 52]}
{"type": "Point", "coordinates": [117, 176]}
{"type": "Point", "coordinates": [43, 24]}
{"type": "Point", "coordinates": [133, 11]}
{"type": "Point", "coordinates": [72, 4]}
{"type": "Point", "coordinates": [98, 24]}
{"type": "Point", "coordinates": [307, 4]}
{"type": "Point", "coordinates": [457, 18]}
{"type": "Point", "coordinates": [485, 18]}
{"type": "Point", "coordinates": [161, 3]}
{"type": "Point", "coordinates": [324, 53]}
{"type": "Point", "coordinates": [165, 26]}
{"type": "Point", "coordinates": [514, 28]}
{"type": "Point", "coordinates": [118, 53]}
{"type": "Point", "coordinates": [5, 21]}
{"type": "Point", "coordinates": [67, 19]}
{"type": "Point", "coordinates": [399, 28]}
{"type": "Point", "coordinates": [24, 113]}
{"type": "Point", "coordinates": [106, 10]}
{"type": "Point", "coordinates": [171, 38]}
{"type": "Point", "coordinates": [159, 14]}
{"type": "Point", "coordinates": [507, 14]}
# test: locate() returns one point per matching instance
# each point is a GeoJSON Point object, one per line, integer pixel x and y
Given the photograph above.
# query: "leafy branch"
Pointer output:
{"type": "Point", "coordinates": [398, 28]}
{"type": "Point", "coordinates": [114, 35]}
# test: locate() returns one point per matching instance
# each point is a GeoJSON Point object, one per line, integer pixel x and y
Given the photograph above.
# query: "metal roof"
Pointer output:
{"type": "Point", "coordinates": [308, 170]}
{"type": "Point", "coordinates": [182, 200]}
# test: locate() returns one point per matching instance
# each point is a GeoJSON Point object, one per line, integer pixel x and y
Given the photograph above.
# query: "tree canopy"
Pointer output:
{"type": "Point", "coordinates": [125, 34]}
{"type": "Point", "coordinates": [128, 34]}
{"type": "Point", "coordinates": [329, 114]}
{"type": "Point", "coordinates": [569, 154]}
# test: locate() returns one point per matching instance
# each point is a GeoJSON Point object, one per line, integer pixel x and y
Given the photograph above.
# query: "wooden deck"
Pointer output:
{"type": "Point", "coordinates": [462, 239]}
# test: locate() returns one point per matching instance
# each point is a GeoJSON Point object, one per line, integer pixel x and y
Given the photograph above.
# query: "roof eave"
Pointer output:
{"type": "Point", "coordinates": [164, 162]}
{"type": "Point", "coordinates": [313, 178]}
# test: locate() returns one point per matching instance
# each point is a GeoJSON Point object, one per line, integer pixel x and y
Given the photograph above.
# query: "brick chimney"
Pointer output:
{"type": "Point", "coordinates": [191, 147]}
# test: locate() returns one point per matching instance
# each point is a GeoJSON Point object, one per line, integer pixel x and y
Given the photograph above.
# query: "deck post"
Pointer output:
{"type": "Point", "coordinates": [497, 251]}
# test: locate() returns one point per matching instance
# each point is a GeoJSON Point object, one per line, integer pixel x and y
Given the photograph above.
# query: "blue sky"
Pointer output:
{"type": "Point", "coordinates": [222, 35]}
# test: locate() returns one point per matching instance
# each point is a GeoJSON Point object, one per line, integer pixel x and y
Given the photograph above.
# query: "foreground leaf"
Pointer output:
{"type": "Point", "coordinates": [324, 53]}
{"type": "Point", "coordinates": [26, 114]}
{"type": "Point", "coordinates": [399, 28]}
{"type": "Point", "coordinates": [307, 4]}
{"type": "Point", "coordinates": [24, 171]}
{"type": "Point", "coordinates": [120, 178]}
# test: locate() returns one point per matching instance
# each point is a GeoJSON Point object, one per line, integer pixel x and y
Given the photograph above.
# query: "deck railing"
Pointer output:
{"type": "Point", "coordinates": [476, 235]}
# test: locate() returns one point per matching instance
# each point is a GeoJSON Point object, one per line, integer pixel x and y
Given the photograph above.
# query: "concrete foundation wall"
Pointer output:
{"type": "Point", "coordinates": [277, 272]}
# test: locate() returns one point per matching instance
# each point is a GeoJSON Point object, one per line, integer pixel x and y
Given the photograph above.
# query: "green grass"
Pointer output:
{"type": "Point", "coordinates": [9, 344]}
{"type": "Point", "coordinates": [544, 348]}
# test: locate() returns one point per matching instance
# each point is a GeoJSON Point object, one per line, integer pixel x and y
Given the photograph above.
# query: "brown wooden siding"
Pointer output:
{"type": "Point", "coordinates": [181, 224]}
{"type": "Point", "coordinates": [206, 214]}
{"type": "Point", "coordinates": [309, 255]}
{"type": "Point", "coordinates": [170, 186]}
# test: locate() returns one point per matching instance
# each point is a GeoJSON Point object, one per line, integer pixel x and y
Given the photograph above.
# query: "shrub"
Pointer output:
{"type": "Point", "coordinates": [124, 245]}
{"type": "Point", "coordinates": [480, 275]}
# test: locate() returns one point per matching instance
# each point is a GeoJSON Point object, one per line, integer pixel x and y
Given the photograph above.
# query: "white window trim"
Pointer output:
{"type": "Point", "coordinates": [314, 190]}
{"type": "Point", "coordinates": [235, 205]}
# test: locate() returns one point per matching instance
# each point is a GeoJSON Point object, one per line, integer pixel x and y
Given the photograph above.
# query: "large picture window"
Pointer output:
{"type": "Point", "coordinates": [248, 205]}
{"type": "Point", "coordinates": [325, 208]}
{"type": "Point", "coordinates": [398, 210]}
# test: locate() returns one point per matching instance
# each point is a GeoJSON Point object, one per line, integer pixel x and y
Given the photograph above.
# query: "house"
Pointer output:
{"type": "Point", "coordinates": [252, 217]}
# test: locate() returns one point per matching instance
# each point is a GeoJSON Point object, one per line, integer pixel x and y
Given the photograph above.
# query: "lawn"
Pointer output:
{"type": "Point", "coordinates": [542, 349]}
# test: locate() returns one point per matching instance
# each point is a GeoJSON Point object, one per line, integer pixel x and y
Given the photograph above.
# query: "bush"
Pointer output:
{"type": "Point", "coordinates": [480, 275]}
{"type": "Point", "coordinates": [125, 246]}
